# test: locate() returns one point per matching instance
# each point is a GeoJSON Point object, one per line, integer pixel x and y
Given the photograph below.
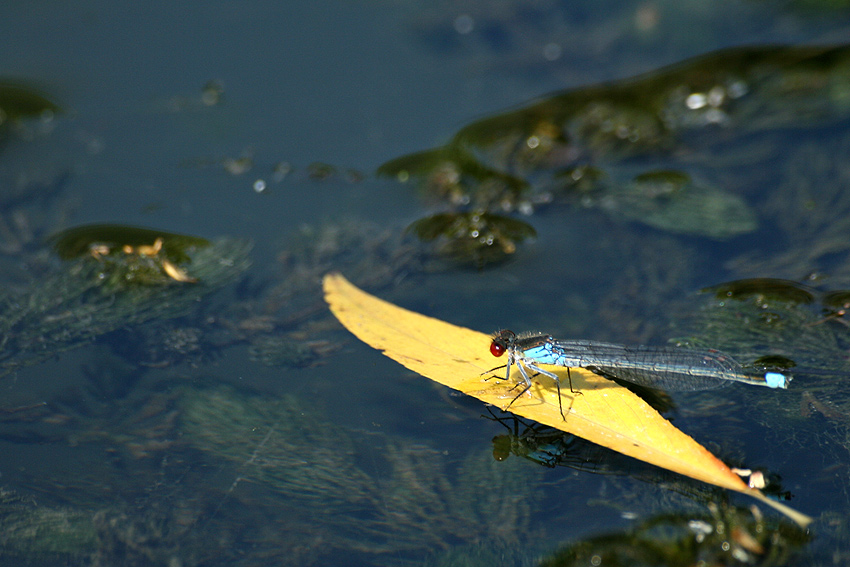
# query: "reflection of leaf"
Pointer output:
{"type": "Point", "coordinates": [603, 413]}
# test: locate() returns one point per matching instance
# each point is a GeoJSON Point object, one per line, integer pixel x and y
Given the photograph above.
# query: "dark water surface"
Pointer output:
{"type": "Point", "coordinates": [231, 421]}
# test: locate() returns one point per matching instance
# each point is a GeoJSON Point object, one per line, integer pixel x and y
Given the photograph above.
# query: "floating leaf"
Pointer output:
{"type": "Point", "coordinates": [600, 410]}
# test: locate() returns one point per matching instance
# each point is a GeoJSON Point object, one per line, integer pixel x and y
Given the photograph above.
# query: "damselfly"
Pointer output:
{"type": "Point", "coordinates": [666, 368]}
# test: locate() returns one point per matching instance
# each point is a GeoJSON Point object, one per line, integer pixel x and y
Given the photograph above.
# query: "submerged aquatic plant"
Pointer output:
{"type": "Point", "coordinates": [795, 329]}
{"type": "Point", "coordinates": [776, 322]}
{"type": "Point", "coordinates": [808, 216]}
{"type": "Point", "coordinates": [408, 500]}
{"type": "Point", "coordinates": [281, 321]}
{"type": "Point", "coordinates": [31, 532]}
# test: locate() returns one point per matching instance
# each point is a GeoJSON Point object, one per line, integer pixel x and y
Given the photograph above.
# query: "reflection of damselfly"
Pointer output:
{"type": "Point", "coordinates": [552, 447]}
{"type": "Point", "coordinates": [665, 368]}
{"type": "Point", "coordinates": [538, 443]}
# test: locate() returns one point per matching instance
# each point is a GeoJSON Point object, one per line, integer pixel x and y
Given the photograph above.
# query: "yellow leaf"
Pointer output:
{"type": "Point", "coordinates": [600, 411]}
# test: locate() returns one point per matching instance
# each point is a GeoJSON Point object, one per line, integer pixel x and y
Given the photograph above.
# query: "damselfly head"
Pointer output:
{"type": "Point", "coordinates": [502, 342]}
{"type": "Point", "coordinates": [497, 348]}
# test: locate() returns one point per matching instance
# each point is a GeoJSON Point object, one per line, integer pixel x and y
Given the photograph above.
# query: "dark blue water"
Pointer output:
{"type": "Point", "coordinates": [245, 427]}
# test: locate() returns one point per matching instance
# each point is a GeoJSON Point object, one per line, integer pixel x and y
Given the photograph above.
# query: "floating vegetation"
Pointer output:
{"type": "Point", "coordinates": [768, 289]}
{"type": "Point", "coordinates": [130, 254]}
{"type": "Point", "coordinates": [24, 110]}
{"type": "Point", "coordinates": [281, 320]}
{"type": "Point", "coordinates": [109, 288]}
{"type": "Point", "coordinates": [480, 237]}
{"type": "Point", "coordinates": [18, 101]}
{"type": "Point", "coordinates": [602, 146]}
{"type": "Point", "coordinates": [726, 536]}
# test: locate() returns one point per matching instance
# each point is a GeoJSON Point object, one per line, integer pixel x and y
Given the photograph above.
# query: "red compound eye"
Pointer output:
{"type": "Point", "coordinates": [497, 348]}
